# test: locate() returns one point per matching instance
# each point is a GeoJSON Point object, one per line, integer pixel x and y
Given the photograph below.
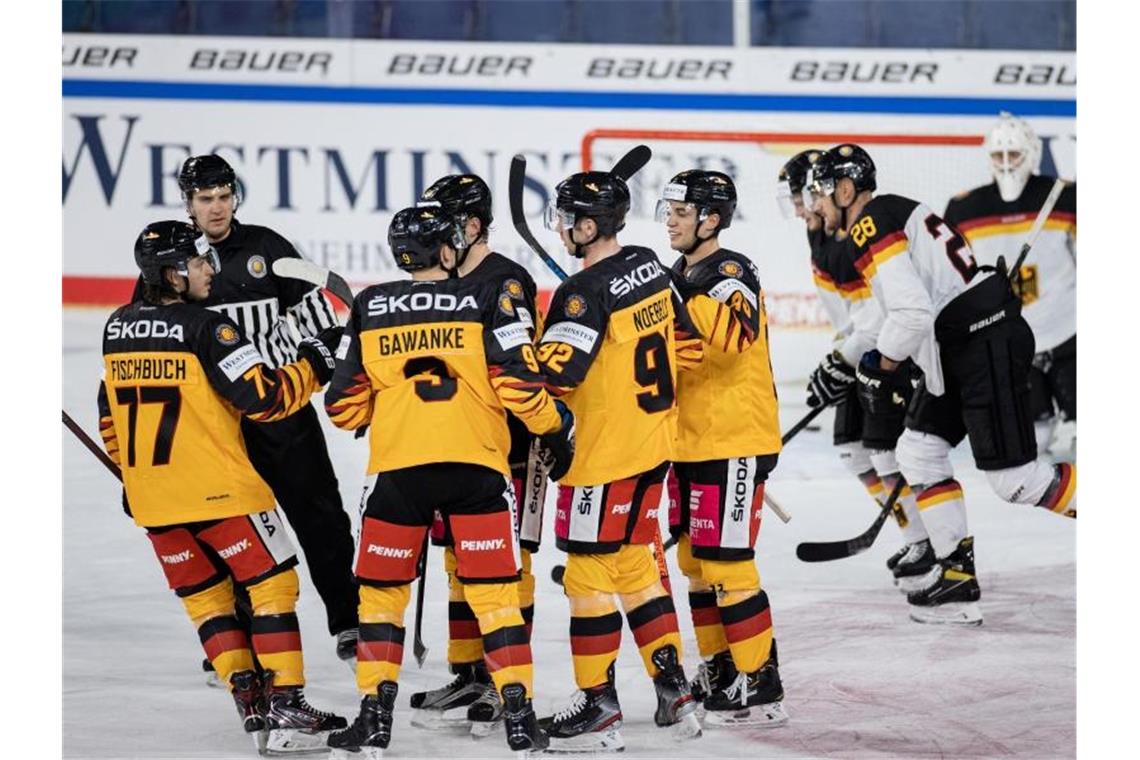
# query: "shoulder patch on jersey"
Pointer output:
{"type": "Point", "coordinates": [514, 289]}
{"type": "Point", "coordinates": [514, 334]}
{"type": "Point", "coordinates": [256, 266]}
{"type": "Point", "coordinates": [724, 289]}
{"type": "Point", "coordinates": [236, 364]}
{"type": "Point", "coordinates": [730, 268]}
{"type": "Point", "coordinates": [227, 335]}
{"type": "Point", "coordinates": [575, 306]}
{"type": "Point", "coordinates": [578, 336]}
{"type": "Point", "coordinates": [506, 305]}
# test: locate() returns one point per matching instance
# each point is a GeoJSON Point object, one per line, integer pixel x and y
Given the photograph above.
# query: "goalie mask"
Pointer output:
{"type": "Point", "coordinates": [417, 235]}
{"type": "Point", "coordinates": [791, 180]}
{"type": "Point", "coordinates": [204, 172]}
{"type": "Point", "coordinates": [600, 196]}
{"type": "Point", "coordinates": [1014, 151]}
{"type": "Point", "coordinates": [461, 197]}
{"type": "Point", "coordinates": [171, 244]}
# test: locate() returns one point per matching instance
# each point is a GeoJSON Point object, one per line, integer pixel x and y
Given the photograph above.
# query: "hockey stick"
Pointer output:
{"type": "Point", "coordinates": [1035, 230]}
{"type": "Point", "coordinates": [418, 648]}
{"type": "Point", "coordinates": [518, 217]}
{"type": "Point", "coordinates": [93, 447]}
{"type": "Point", "coordinates": [631, 163]}
{"type": "Point", "coordinates": [825, 551]}
{"type": "Point", "coordinates": [302, 269]}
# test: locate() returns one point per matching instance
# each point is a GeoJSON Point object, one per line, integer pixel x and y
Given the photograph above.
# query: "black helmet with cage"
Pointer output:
{"type": "Point", "coordinates": [417, 235]}
{"type": "Point", "coordinates": [707, 191]}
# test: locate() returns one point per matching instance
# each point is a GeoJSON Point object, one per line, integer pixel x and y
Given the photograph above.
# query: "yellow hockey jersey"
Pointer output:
{"type": "Point", "coordinates": [610, 351]}
{"type": "Point", "coordinates": [176, 381]}
{"type": "Point", "coordinates": [728, 405]}
{"type": "Point", "coordinates": [431, 367]}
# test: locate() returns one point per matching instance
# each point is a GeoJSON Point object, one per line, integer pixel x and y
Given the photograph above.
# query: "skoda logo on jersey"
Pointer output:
{"type": "Point", "coordinates": [380, 305]}
{"type": "Point", "coordinates": [575, 306]}
{"type": "Point", "coordinates": [643, 275]}
{"type": "Point", "coordinates": [227, 335]}
{"type": "Point", "coordinates": [256, 266]}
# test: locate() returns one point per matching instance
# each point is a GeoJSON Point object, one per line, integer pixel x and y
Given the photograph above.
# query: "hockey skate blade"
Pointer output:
{"type": "Point", "coordinates": [364, 753]}
{"type": "Point", "coordinates": [439, 720]}
{"type": "Point", "coordinates": [291, 741]}
{"type": "Point", "coordinates": [770, 715]}
{"type": "Point", "coordinates": [951, 613]}
{"type": "Point", "coordinates": [596, 741]}
{"type": "Point", "coordinates": [481, 729]}
{"type": "Point", "coordinates": [687, 728]}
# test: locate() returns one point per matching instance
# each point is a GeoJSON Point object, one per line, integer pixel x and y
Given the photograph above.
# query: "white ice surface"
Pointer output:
{"type": "Point", "coordinates": [861, 680]}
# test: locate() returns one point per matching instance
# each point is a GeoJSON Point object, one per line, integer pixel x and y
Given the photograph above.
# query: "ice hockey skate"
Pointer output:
{"type": "Point", "coordinates": [590, 723]}
{"type": "Point", "coordinates": [247, 694]}
{"type": "Point", "coordinates": [523, 734]}
{"type": "Point", "coordinates": [485, 713]}
{"type": "Point", "coordinates": [715, 673]}
{"type": "Point", "coordinates": [370, 733]}
{"type": "Point", "coordinates": [446, 707]}
{"type": "Point", "coordinates": [953, 596]}
{"type": "Point", "coordinates": [346, 646]}
{"type": "Point", "coordinates": [676, 707]}
{"type": "Point", "coordinates": [752, 699]}
{"type": "Point", "coordinates": [916, 569]}
{"type": "Point", "coordinates": [293, 725]}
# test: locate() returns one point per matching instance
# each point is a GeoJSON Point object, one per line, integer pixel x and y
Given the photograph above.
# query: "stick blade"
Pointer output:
{"type": "Point", "coordinates": [301, 269]}
{"type": "Point", "coordinates": [515, 188]}
{"type": "Point", "coordinates": [631, 163]}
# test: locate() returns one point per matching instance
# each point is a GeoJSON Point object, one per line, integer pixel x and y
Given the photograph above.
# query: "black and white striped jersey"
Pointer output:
{"type": "Point", "coordinates": [247, 291]}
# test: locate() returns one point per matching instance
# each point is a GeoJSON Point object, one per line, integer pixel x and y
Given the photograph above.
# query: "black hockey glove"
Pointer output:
{"type": "Point", "coordinates": [319, 352]}
{"type": "Point", "coordinates": [830, 381]}
{"type": "Point", "coordinates": [884, 396]}
{"type": "Point", "coordinates": [559, 445]}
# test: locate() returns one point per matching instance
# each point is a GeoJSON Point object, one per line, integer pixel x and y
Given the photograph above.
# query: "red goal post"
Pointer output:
{"type": "Point", "coordinates": [927, 167]}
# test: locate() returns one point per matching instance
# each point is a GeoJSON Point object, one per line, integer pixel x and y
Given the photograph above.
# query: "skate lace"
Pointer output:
{"type": "Point", "coordinates": [703, 678]}
{"type": "Point", "coordinates": [303, 704]}
{"type": "Point", "coordinates": [913, 554]}
{"type": "Point", "coordinates": [738, 689]}
{"type": "Point", "coordinates": [577, 704]}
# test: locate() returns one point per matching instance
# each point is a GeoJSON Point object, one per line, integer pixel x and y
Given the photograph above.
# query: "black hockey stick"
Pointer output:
{"type": "Point", "coordinates": [93, 447]}
{"type": "Point", "coordinates": [631, 163]}
{"type": "Point", "coordinates": [825, 551]}
{"type": "Point", "coordinates": [518, 217]}
{"type": "Point", "coordinates": [1035, 230]}
{"type": "Point", "coordinates": [418, 648]}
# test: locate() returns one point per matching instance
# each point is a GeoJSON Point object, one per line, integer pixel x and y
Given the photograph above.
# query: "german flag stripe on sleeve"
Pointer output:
{"type": "Point", "coordinates": [880, 252]}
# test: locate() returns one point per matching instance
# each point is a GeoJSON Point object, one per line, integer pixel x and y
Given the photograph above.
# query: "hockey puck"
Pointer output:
{"type": "Point", "coordinates": [557, 572]}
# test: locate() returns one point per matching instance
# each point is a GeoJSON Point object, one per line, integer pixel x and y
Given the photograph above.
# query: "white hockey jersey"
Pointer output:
{"type": "Point", "coordinates": [915, 264]}
{"type": "Point", "coordinates": [845, 295]}
{"type": "Point", "coordinates": [1049, 276]}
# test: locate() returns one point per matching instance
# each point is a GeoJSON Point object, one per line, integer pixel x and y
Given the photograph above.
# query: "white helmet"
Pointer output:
{"type": "Point", "coordinates": [1014, 152]}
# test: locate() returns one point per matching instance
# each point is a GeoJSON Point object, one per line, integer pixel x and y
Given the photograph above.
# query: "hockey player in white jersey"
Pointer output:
{"type": "Point", "coordinates": [857, 317]}
{"type": "Point", "coordinates": [962, 326]}
{"type": "Point", "coordinates": [993, 218]}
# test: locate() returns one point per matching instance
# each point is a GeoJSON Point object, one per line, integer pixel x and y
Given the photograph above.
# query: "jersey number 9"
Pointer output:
{"type": "Point", "coordinates": [651, 368]}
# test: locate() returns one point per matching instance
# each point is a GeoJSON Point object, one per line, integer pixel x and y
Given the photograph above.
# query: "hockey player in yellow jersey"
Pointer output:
{"type": "Point", "coordinates": [728, 441]}
{"type": "Point", "coordinates": [431, 365]}
{"type": "Point", "coordinates": [609, 350]}
{"type": "Point", "coordinates": [470, 697]}
{"type": "Point", "coordinates": [178, 378]}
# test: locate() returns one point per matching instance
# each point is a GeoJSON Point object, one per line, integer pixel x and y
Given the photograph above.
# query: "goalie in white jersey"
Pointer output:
{"type": "Point", "coordinates": [962, 326]}
{"type": "Point", "coordinates": [994, 219]}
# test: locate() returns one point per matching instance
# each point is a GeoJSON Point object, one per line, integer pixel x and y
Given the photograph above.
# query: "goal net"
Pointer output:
{"type": "Point", "coordinates": [927, 167]}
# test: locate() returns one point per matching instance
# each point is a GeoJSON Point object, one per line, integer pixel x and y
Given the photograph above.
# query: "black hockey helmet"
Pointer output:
{"type": "Point", "coordinates": [416, 236]}
{"type": "Point", "coordinates": [844, 160]}
{"type": "Point", "coordinates": [707, 191]}
{"type": "Point", "coordinates": [600, 196]}
{"type": "Point", "coordinates": [792, 178]}
{"type": "Point", "coordinates": [462, 195]}
{"type": "Point", "coordinates": [171, 243]}
{"type": "Point", "coordinates": [201, 172]}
